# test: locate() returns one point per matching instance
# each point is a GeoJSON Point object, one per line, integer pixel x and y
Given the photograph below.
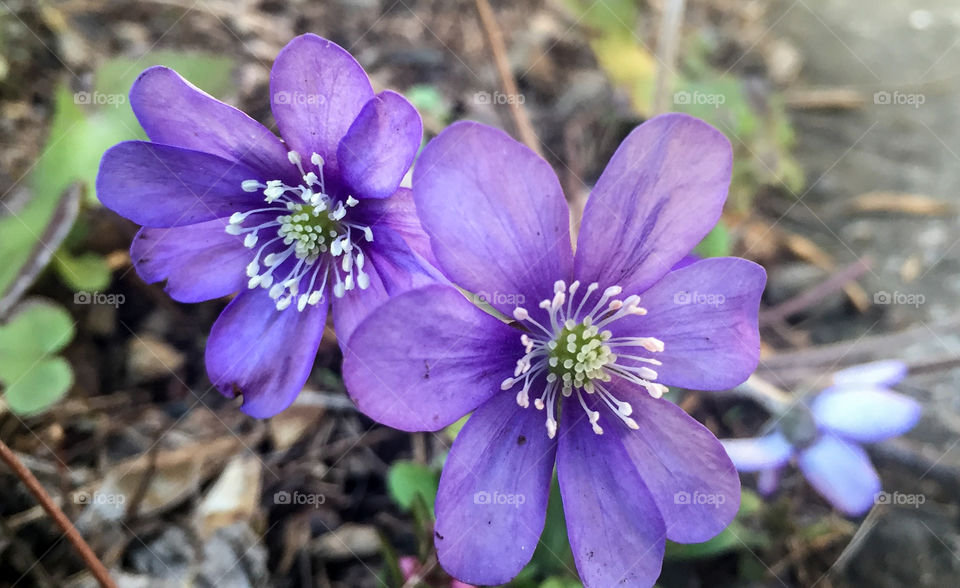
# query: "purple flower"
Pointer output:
{"type": "Point", "coordinates": [228, 207]}
{"type": "Point", "coordinates": [576, 378]}
{"type": "Point", "coordinates": [825, 436]}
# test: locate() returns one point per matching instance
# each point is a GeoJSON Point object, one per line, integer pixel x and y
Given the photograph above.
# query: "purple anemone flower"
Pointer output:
{"type": "Point", "coordinates": [824, 436]}
{"type": "Point", "coordinates": [294, 225]}
{"type": "Point", "coordinates": [576, 377]}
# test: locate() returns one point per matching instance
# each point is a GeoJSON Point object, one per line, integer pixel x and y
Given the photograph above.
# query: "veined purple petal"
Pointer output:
{"type": "Point", "coordinates": [865, 413]}
{"type": "Point", "coordinates": [399, 214]}
{"type": "Point", "coordinates": [686, 260]}
{"type": "Point", "coordinates": [163, 186]}
{"type": "Point", "coordinates": [684, 467]}
{"type": "Point", "coordinates": [199, 262]}
{"type": "Point", "coordinates": [493, 493]}
{"type": "Point", "coordinates": [495, 214]}
{"type": "Point", "coordinates": [661, 193]}
{"type": "Point", "coordinates": [878, 373]}
{"type": "Point", "coordinates": [380, 146]}
{"type": "Point", "coordinates": [261, 353]}
{"type": "Point", "coordinates": [842, 473]}
{"type": "Point", "coordinates": [175, 112]}
{"type": "Point", "coordinates": [758, 453]}
{"type": "Point", "coordinates": [706, 316]}
{"type": "Point", "coordinates": [317, 89]}
{"type": "Point", "coordinates": [616, 531]}
{"type": "Point", "coordinates": [426, 358]}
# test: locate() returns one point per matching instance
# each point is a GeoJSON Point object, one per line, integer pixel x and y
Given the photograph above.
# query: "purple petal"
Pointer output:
{"type": "Point", "coordinates": [317, 89]}
{"type": "Point", "coordinates": [686, 260]}
{"type": "Point", "coordinates": [864, 413]}
{"type": "Point", "coordinates": [661, 193]}
{"type": "Point", "coordinates": [175, 112]}
{"type": "Point", "coordinates": [199, 262]}
{"type": "Point", "coordinates": [392, 268]}
{"type": "Point", "coordinates": [706, 316]}
{"type": "Point", "coordinates": [768, 481]}
{"type": "Point", "coordinates": [162, 186]}
{"type": "Point", "coordinates": [879, 373]}
{"type": "Point", "coordinates": [842, 473]}
{"type": "Point", "coordinates": [427, 357]}
{"type": "Point", "coordinates": [686, 470]}
{"type": "Point", "coordinates": [758, 453]}
{"type": "Point", "coordinates": [262, 353]}
{"type": "Point", "coordinates": [616, 531]}
{"type": "Point", "coordinates": [495, 214]}
{"type": "Point", "coordinates": [380, 146]}
{"type": "Point", "coordinates": [493, 493]}
{"type": "Point", "coordinates": [399, 214]}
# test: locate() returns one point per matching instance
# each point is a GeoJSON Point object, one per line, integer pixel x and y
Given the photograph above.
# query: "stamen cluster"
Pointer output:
{"type": "Point", "coordinates": [313, 232]}
{"type": "Point", "coordinates": [578, 355]}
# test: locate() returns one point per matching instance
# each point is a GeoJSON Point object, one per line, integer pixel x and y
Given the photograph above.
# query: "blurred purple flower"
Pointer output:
{"type": "Point", "coordinates": [227, 206]}
{"type": "Point", "coordinates": [634, 469]}
{"type": "Point", "coordinates": [825, 436]}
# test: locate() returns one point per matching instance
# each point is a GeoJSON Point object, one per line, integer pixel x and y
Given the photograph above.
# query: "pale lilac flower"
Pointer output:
{"type": "Point", "coordinates": [575, 378]}
{"type": "Point", "coordinates": [825, 436]}
{"type": "Point", "coordinates": [293, 225]}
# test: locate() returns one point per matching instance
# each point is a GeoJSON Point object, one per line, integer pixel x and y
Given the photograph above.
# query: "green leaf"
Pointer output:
{"type": "Point", "coordinates": [85, 272]}
{"type": "Point", "coordinates": [40, 386]}
{"type": "Point", "coordinates": [717, 243]}
{"type": "Point", "coordinates": [211, 73]}
{"type": "Point", "coordinates": [31, 234]}
{"type": "Point", "coordinates": [37, 329]}
{"type": "Point", "coordinates": [406, 480]}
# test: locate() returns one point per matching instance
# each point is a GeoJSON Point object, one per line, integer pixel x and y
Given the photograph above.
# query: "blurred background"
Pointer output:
{"type": "Point", "coordinates": [844, 121]}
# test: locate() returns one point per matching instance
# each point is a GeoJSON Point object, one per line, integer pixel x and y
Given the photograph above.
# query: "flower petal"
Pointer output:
{"type": "Point", "coordinates": [392, 269]}
{"type": "Point", "coordinates": [199, 262]}
{"type": "Point", "coordinates": [706, 316]}
{"type": "Point", "coordinates": [879, 373]}
{"type": "Point", "coordinates": [758, 453]}
{"type": "Point", "coordinates": [427, 357]}
{"type": "Point", "coordinates": [399, 214]}
{"type": "Point", "coordinates": [842, 473]}
{"type": "Point", "coordinates": [495, 214]}
{"type": "Point", "coordinates": [493, 493]}
{"type": "Point", "coordinates": [163, 186]}
{"type": "Point", "coordinates": [768, 481]}
{"type": "Point", "coordinates": [263, 353]}
{"type": "Point", "coordinates": [380, 146]}
{"type": "Point", "coordinates": [616, 531]}
{"type": "Point", "coordinates": [317, 89]}
{"type": "Point", "coordinates": [864, 413]}
{"type": "Point", "coordinates": [175, 112]}
{"type": "Point", "coordinates": [661, 193]}
{"type": "Point", "coordinates": [683, 465]}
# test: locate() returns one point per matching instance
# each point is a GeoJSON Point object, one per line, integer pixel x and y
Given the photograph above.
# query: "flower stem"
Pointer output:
{"type": "Point", "coordinates": [96, 567]}
{"type": "Point", "coordinates": [499, 51]}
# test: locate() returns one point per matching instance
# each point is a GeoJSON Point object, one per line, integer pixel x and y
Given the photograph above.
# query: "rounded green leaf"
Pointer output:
{"type": "Point", "coordinates": [39, 387]}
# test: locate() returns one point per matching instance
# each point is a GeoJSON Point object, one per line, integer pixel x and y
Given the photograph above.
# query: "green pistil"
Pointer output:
{"type": "Point", "coordinates": [578, 355]}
